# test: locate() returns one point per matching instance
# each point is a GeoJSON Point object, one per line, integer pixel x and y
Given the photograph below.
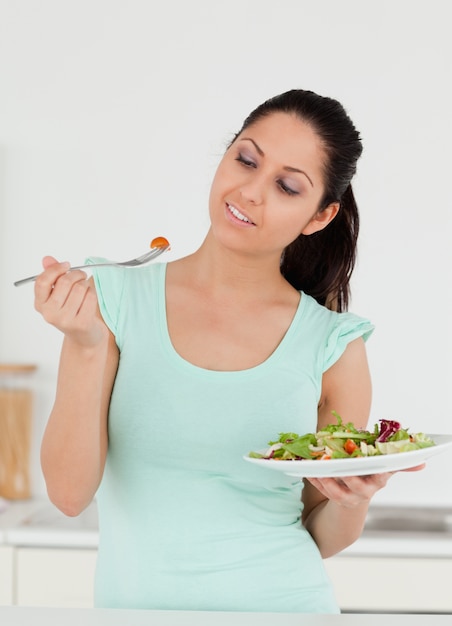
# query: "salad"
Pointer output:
{"type": "Point", "coordinates": [342, 441]}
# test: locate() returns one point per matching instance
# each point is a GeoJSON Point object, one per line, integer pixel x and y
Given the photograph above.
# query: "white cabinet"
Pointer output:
{"type": "Point", "coordinates": [388, 584]}
{"type": "Point", "coordinates": [65, 577]}
{"type": "Point", "coordinates": [54, 577]}
{"type": "Point", "coordinates": [6, 575]}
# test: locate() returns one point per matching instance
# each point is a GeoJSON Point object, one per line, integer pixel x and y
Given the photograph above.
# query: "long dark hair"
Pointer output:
{"type": "Point", "coordinates": [321, 264]}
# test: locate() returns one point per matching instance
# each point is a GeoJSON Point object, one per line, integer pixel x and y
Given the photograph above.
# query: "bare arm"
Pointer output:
{"type": "Point", "coordinates": [75, 441]}
{"type": "Point", "coordinates": [335, 509]}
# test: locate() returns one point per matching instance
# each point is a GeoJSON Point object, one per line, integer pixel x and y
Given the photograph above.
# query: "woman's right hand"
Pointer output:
{"type": "Point", "coordinates": [75, 441]}
{"type": "Point", "coordinates": [68, 301]}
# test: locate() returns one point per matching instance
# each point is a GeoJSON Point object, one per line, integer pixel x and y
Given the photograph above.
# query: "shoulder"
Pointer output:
{"type": "Point", "coordinates": [113, 279]}
{"type": "Point", "coordinates": [338, 330]}
{"type": "Point", "coordinates": [119, 289]}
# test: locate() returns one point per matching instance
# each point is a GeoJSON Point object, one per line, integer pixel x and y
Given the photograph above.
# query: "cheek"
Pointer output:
{"type": "Point", "coordinates": [214, 187]}
{"type": "Point", "coordinates": [283, 231]}
{"type": "Point", "coordinates": [218, 181]}
{"type": "Point", "coordinates": [221, 184]}
{"type": "Point", "coordinates": [291, 218]}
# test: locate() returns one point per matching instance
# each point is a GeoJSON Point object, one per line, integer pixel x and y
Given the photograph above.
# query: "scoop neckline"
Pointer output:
{"type": "Point", "coordinates": [181, 362]}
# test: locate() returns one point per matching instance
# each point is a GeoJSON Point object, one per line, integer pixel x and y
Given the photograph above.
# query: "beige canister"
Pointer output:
{"type": "Point", "coordinates": [16, 408]}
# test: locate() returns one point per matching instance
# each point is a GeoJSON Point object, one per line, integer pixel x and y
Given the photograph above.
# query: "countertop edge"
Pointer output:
{"type": "Point", "coordinates": [19, 528]}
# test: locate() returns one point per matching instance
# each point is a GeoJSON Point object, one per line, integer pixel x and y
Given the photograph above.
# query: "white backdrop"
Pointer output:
{"type": "Point", "coordinates": [114, 114]}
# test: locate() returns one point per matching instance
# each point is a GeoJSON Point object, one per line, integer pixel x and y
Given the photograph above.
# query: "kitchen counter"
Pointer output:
{"type": "Point", "coordinates": [24, 616]}
{"type": "Point", "coordinates": [389, 531]}
{"type": "Point", "coordinates": [37, 523]}
{"type": "Point", "coordinates": [48, 560]}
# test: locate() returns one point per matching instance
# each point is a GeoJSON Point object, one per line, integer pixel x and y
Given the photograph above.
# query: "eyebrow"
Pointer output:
{"type": "Point", "coordinates": [288, 168]}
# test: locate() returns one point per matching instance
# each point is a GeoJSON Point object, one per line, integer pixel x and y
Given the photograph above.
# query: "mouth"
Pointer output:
{"type": "Point", "coordinates": [238, 215]}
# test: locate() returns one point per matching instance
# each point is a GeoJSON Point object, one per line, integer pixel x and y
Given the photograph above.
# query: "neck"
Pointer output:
{"type": "Point", "coordinates": [219, 269]}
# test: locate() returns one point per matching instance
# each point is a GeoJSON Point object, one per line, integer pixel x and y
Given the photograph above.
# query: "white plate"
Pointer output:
{"type": "Point", "coordinates": [357, 466]}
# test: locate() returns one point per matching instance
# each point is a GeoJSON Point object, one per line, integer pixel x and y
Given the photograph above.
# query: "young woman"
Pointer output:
{"type": "Point", "coordinates": [171, 372]}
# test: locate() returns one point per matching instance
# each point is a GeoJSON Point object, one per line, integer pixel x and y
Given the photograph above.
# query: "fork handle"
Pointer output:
{"type": "Point", "coordinates": [25, 280]}
{"type": "Point", "coordinates": [31, 279]}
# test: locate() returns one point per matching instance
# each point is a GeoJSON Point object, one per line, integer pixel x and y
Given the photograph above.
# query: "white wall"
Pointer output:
{"type": "Point", "coordinates": [114, 114]}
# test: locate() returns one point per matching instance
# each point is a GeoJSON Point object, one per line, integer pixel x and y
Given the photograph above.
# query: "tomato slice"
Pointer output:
{"type": "Point", "coordinates": [159, 242]}
{"type": "Point", "coordinates": [350, 446]}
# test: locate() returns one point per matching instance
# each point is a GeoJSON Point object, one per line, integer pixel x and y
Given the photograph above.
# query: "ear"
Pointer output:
{"type": "Point", "coordinates": [321, 219]}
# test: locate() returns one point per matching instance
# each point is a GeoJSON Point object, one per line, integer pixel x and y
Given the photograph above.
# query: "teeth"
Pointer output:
{"type": "Point", "coordinates": [238, 215]}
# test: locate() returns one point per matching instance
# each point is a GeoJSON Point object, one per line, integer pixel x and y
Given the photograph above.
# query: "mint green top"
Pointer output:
{"type": "Point", "coordinates": [185, 521]}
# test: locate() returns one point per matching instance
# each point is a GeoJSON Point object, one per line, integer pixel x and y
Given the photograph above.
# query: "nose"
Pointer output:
{"type": "Point", "coordinates": [252, 190]}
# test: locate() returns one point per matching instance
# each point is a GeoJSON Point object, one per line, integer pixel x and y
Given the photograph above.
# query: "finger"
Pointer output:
{"type": "Point", "coordinates": [416, 468]}
{"type": "Point", "coordinates": [52, 293]}
{"type": "Point", "coordinates": [80, 316]}
{"type": "Point", "coordinates": [46, 280]}
{"type": "Point", "coordinates": [330, 487]}
{"type": "Point", "coordinates": [315, 482]}
{"type": "Point", "coordinates": [351, 490]}
{"type": "Point", "coordinates": [65, 286]}
{"type": "Point", "coordinates": [88, 313]}
{"type": "Point", "coordinates": [90, 308]}
{"type": "Point", "coordinates": [70, 298]}
{"type": "Point", "coordinates": [47, 261]}
{"type": "Point", "coordinates": [367, 486]}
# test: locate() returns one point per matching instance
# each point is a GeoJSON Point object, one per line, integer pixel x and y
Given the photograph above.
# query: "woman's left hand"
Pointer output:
{"type": "Point", "coordinates": [351, 491]}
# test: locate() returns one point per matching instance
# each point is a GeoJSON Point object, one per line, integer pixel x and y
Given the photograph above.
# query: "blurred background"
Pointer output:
{"type": "Point", "coordinates": [114, 115]}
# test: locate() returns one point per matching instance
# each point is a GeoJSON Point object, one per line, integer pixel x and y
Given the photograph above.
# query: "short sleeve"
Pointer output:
{"type": "Point", "coordinates": [109, 282]}
{"type": "Point", "coordinates": [346, 328]}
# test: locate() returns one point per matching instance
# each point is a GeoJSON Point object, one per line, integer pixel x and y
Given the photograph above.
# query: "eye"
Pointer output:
{"type": "Point", "coordinates": [286, 189]}
{"type": "Point", "coordinates": [247, 162]}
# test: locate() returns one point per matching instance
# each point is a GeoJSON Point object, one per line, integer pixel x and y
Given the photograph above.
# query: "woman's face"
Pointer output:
{"type": "Point", "coordinates": [268, 187]}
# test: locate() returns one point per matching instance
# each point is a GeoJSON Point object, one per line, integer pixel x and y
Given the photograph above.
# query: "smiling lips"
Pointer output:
{"type": "Point", "coordinates": [238, 215]}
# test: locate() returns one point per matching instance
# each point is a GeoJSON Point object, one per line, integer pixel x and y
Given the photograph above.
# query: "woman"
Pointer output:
{"type": "Point", "coordinates": [170, 373]}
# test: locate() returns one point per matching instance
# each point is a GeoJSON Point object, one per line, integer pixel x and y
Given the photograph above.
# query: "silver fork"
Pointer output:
{"type": "Point", "coordinates": [141, 260]}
